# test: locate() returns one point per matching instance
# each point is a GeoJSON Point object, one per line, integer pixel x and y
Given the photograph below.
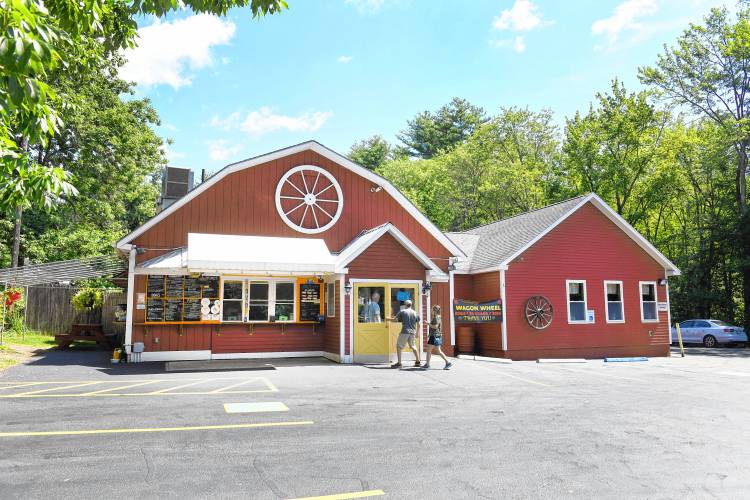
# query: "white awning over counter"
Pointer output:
{"type": "Point", "coordinates": [249, 254]}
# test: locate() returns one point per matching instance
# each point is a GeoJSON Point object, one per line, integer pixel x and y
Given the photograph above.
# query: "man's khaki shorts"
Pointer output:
{"type": "Point", "coordinates": [406, 338]}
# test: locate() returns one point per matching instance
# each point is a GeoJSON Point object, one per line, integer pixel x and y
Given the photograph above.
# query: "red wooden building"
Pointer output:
{"type": "Point", "coordinates": [301, 252]}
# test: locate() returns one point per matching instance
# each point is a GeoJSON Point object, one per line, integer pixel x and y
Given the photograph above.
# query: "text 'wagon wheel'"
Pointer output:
{"type": "Point", "coordinates": [309, 199]}
{"type": "Point", "coordinates": [539, 312]}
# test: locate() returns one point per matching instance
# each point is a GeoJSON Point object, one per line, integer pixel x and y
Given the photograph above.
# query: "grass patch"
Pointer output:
{"type": "Point", "coordinates": [31, 338]}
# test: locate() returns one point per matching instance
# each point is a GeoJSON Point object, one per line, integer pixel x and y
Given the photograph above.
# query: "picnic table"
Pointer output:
{"type": "Point", "coordinates": [90, 332]}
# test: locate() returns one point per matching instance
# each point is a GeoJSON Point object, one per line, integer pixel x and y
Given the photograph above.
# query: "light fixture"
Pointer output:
{"type": "Point", "coordinates": [426, 287]}
{"type": "Point", "coordinates": [376, 189]}
{"type": "Point", "coordinates": [140, 250]}
{"type": "Point", "coordinates": [348, 288]}
{"type": "Point", "coordinates": [662, 281]}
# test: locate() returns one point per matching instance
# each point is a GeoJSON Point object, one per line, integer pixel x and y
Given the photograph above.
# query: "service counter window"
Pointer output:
{"type": "Point", "coordinates": [284, 301]}
{"type": "Point", "coordinates": [576, 301]}
{"type": "Point", "coordinates": [649, 312]}
{"type": "Point", "coordinates": [232, 300]}
{"type": "Point", "coordinates": [613, 301]}
{"type": "Point", "coordinates": [258, 301]}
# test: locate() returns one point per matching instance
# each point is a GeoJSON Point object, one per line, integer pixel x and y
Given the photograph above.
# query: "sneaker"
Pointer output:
{"type": "Point", "coordinates": [448, 366]}
{"type": "Point", "coordinates": [417, 364]}
{"type": "Point", "coordinates": [396, 365]}
{"type": "Point", "coordinates": [425, 367]}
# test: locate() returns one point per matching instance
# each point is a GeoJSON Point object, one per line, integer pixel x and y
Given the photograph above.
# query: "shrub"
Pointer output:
{"type": "Point", "coordinates": [87, 299]}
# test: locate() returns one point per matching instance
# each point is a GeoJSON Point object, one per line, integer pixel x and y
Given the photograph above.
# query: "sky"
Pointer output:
{"type": "Point", "coordinates": [338, 71]}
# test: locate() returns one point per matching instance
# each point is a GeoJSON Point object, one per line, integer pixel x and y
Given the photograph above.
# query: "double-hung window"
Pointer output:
{"type": "Point", "coordinates": [257, 301]}
{"type": "Point", "coordinates": [283, 300]}
{"type": "Point", "coordinates": [649, 313]}
{"type": "Point", "coordinates": [331, 300]}
{"type": "Point", "coordinates": [270, 298]}
{"type": "Point", "coordinates": [576, 301]}
{"type": "Point", "coordinates": [613, 301]}
{"type": "Point", "coordinates": [232, 299]}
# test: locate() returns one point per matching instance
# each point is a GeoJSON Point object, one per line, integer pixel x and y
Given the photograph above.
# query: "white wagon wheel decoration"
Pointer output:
{"type": "Point", "coordinates": [309, 199]}
{"type": "Point", "coordinates": [539, 312]}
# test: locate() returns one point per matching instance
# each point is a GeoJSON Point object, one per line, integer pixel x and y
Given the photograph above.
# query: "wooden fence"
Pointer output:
{"type": "Point", "coordinates": [48, 309]}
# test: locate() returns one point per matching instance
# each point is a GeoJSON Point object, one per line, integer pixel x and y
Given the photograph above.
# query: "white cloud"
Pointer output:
{"type": "Point", "coordinates": [221, 150]}
{"type": "Point", "coordinates": [625, 19]}
{"type": "Point", "coordinates": [265, 120]}
{"type": "Point", "coordinates": [171, 154]}
{"type": "Point", "coordinates": [366, 6]}
{"type": "Point", "coordinates": [167, 50]}
{"type": "Point", "coordinates": [344, 59]}
{"type": "Point", "coordinates": [523, 16]}
{"type": "Point", "coordinates": [518, 44]}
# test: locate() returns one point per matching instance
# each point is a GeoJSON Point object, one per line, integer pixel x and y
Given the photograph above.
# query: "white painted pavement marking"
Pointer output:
{"type": "Point", "coordinates": [258, 407]}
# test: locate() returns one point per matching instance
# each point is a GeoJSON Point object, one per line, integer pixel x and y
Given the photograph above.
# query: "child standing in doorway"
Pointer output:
{"type": "Point", "coordinates": [435, 339]}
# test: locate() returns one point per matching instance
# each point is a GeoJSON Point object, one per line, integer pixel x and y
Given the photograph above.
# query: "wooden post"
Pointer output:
{"type": "Point", "coordinates": [679, 339]}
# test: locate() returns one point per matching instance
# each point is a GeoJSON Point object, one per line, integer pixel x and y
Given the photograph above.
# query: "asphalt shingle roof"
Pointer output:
{"type": "Point", "coordinates": [490, 244]}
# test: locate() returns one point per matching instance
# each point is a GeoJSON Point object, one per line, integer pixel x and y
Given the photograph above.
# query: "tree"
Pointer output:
{"type": "Point", "coordinates": [371, 153]}
{"type": "Point", "coordinates": [36, 39]}
{"type": "Point", "coordinates": [108, 146]}
{"type": "Point", "coordinates": [612, 150]}
{"type": "Point", "coordinates": [709, 73]}
{"type": "Point", "coordinates": [431, 133]}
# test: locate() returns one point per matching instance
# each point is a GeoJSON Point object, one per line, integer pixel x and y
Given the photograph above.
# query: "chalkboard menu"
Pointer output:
{"type": "Point", "coordinates": [177, 298]}
{"type": "Point", "coordinates": [174, 286]}
{"type": "Point", "coordinates": [210, 286]}
{"type": "Point", "coordinates": [173, 310]}
{"type": "Point", "coordinates": [191, 310]}
{"type": "Point", "coordinates": [155, 286]}
{"type": "Point", "coordinates": [309, 301]}
{"type": "Point", "coordinates": [155, 310]}
{"type": "Point", "coordinates": [193, 287]}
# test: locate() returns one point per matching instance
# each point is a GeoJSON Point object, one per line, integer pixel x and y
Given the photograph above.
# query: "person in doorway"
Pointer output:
{"type": "Point", "coordinates": [372, 309]}
{"type": "Point", "coordinates": [409, 320]}
{"type": "Point", "coordinates": [435, 339]}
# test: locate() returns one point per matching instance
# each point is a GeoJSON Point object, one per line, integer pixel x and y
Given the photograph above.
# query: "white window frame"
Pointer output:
{"type": "Point", "coordinates": [585, 302]}
{"type": "Point", "coordinates": [272, 299]}
{"type": "Point", "coordinates": [271, 282]}
{"type": "Point", "coordinates": [656, 300]}
{"type": "Point", "coordinates": [242, 300]}
{"type": "Point", "coordinates": [607, 301]}
{"type": "Point", "coordinates": [331, 300]}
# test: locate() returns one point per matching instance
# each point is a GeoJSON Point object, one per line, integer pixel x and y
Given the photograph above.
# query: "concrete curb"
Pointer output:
{"type": "Point", "coordinates": [564, 360]}
{"type": "Point", "coordinates": [485, 358]}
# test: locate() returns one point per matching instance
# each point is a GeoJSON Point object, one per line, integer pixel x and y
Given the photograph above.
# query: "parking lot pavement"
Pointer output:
{"type": "Point", "coordinates": [665, 428]}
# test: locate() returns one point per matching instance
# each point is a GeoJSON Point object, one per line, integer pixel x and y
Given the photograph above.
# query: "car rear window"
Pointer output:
{"type": "Point", "coordinates": [719, 322]}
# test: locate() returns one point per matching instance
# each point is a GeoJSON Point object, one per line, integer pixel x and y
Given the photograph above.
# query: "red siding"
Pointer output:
{"type": "Point", "coordinates": [386, 259]}
{"type": "Point", "coordinates": [486, 286]}
{"type": "Point", "coordinates": [228, 338]}
{"type": "Point", "coordinates": [587, 246]}
{"type": "Point", "coordinates": [440, 295]}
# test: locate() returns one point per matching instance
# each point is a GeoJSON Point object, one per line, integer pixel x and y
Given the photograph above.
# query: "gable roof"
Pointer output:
{"type": "Point", "coordinates": [123, 244]}
{"type": "Point", "coordinates": [494, 246]}
{"type": "Point", "coordinates": [363, 240]}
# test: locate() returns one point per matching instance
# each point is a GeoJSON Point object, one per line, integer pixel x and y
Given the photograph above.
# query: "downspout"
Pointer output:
{"type": "Point", "coordinates": [130, 299]}
{"type": "Point", "coordinates": [669, 309]}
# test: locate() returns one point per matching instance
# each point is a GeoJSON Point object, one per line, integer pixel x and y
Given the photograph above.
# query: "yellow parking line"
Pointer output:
{"type": "Point", "coordinates": [78, 395]}
{"type": "Point", "coordinates": [162, 391]}
{"type": "Point", "coordinates": [118, 388]}
{"type": "Point", "coordinates": [25, 384]}
{"type": "Point", "coordinates": [268, 383]}
{"type": "Point", "coordinates": [344, 496]}
{"type": "Point", "coordinates": [221, 390]}
{"type": "Point", "coordinates": [54, 389]}
{"type": "Point", "coordinates": [158, 429]}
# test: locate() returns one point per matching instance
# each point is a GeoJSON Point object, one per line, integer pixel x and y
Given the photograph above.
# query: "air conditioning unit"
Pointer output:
{"type": "Point", "coordinates": [175, 183]}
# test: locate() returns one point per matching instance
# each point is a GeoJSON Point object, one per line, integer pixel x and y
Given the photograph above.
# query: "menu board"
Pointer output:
{"type": "Point", "coordinates": [191, 310]}
{"type": "Point", "coordinates": [193, 287]}
{"type": "Point", "coordinates": [155, 310]}
{"type": "Point", "coordinates": [309, 301]}
{"type": "Point", "coordinates": [174, 286]}
{"type": "Point", "coordinates": [155, 287]}
{"type": "Point", "coordinates": [173, 310]}
{"type": "Point", "coordinates": [210, 287]}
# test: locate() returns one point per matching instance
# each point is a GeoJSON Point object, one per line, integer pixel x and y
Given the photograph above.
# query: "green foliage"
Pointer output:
{"type": "Point", "coordinates": [371, 153]}
{"type": "Point", "coordinates": [87, 299]}
{"type": "Point", "coordinates": [431, 133]}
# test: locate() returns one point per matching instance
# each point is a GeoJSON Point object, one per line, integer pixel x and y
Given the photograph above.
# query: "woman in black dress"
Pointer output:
{"type": "Point", "coordinates": [435, 339]}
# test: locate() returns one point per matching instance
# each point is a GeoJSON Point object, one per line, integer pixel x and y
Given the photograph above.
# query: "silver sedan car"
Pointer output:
{"type": "Point", "coordinates": [710, 333]}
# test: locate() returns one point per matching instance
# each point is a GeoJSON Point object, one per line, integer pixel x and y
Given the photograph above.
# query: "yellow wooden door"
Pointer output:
{"type": "Point", "coordinates": [398, 293]}
{"type": "Point", "coordinates": [371, 308]}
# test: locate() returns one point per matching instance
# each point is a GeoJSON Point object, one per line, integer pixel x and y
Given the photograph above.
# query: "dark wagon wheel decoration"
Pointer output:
{"type": "Point", "coordinates": [539, 312]}
{"type": "Point", "coordinates": [309, 199]}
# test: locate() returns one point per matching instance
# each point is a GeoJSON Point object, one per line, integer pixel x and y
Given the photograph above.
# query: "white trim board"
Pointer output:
{"type": "Point", "coordinates": [175, 355]}
{"type": "Point", "coordinates": [266, 355]}
{"type": "Point", "coordinates": [305, 146]}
